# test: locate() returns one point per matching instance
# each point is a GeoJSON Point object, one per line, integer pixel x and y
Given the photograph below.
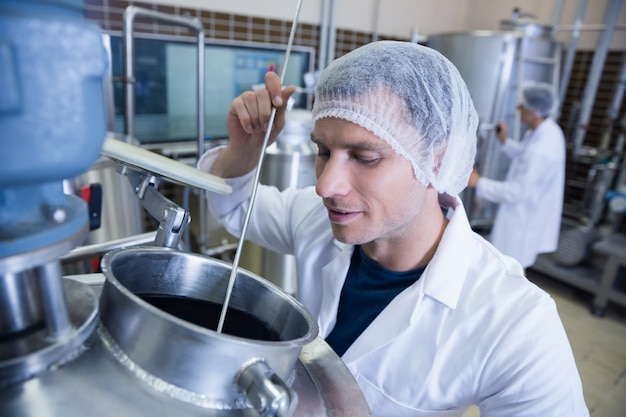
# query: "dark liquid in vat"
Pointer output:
{"type": "Point", "coordinates": [207, 314]}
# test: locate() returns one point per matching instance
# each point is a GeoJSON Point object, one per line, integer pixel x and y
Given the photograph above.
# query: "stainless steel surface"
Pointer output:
{"type": "Point", "coordinates": [173, 219]}
{"type": "Point", "coordinates": [267, 394]}
{"type": "Point", "coordinates": [36, 352]}
{"type": "Point", "coordinates": [96, 385]}
{"type": "Point", "coordinates": [160, 271]}
{"type": "Point", "coordinates": [99, 249]}
{"type": "Point", "coordinates": [289, 163]}
{"type": "Point", "coordinates": [121, 214]}
{"type": "Point", "coordinates": [257, 174]}
{"type": "Point", "coordinates": [142, 361]}
{"type": "Point", "coordinates": [495, 65]}
{"type": "Point", "coordinates": [55, 311]}
{"type": "Point", "coordinates": [19, 309]}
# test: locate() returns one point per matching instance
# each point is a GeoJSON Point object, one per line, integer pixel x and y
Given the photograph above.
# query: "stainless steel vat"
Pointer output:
{"type": "Point", "coordinates": [496, 65]}
{"type": "Point", "coordinates": [144, 361]}
{"type": "Point", "coordinates": [207, 364]}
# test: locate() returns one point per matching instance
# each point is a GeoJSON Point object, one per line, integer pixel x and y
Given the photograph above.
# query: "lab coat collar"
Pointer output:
{"type": "Point", "coordinates": [444, 277]}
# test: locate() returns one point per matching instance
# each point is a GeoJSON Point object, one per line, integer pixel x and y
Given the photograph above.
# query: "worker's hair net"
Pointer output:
{"type": "Point", "coordinates": [539, 98]}
{"type": "Point", "coordinates": [412, 97]}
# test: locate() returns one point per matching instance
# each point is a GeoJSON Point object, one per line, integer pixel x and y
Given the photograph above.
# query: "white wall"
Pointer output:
{"type": "Point", "coordinates": [401, 17]}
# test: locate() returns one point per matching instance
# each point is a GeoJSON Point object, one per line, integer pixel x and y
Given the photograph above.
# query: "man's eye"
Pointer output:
{"type": "Point", "coordinates": [367, 159]}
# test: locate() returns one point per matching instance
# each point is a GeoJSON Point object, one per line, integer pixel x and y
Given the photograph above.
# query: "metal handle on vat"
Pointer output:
{"type": "Point", "coordinates": [266, 391]}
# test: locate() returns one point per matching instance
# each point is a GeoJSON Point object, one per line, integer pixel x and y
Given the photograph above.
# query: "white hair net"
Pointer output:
{"type": "Point", "coordinates": [539, 97]}
{"type": "Point", "coordinates": [412, 97]}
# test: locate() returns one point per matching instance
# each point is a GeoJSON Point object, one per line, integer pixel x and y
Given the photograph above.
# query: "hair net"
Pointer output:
{"type": "Point", "coordinates": [539, 98]}
{"type": "Point", "coordinates": [412, 97]}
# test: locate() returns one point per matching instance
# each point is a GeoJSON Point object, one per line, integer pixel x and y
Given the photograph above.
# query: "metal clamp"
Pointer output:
{"type": "Point", "coordinates": [173, 219]}
{"type": "Point", "coordinates": [266, 391]}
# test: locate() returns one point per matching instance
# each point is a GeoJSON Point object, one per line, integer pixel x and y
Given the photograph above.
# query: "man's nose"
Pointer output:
{"type": "Point", "coordinates": [333, 179]}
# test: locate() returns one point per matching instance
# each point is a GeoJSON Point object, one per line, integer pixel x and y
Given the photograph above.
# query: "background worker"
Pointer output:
{"type": "Point", "coordinates": [428, 316]}
{"type": "Point", "coordinates": [528, 219]}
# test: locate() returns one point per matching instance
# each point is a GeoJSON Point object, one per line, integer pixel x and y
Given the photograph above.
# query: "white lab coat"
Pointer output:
{"type": "Point", "coordinates": [528, 219]}
{"type": "Point", "coordinates": [471, 330]}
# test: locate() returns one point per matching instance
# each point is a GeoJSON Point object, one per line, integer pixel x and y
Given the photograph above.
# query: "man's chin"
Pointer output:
{"type": "Point", "coordinates": [342, 235]}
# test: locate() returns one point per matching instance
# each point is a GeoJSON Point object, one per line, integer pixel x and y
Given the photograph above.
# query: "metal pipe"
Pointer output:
{"type": "Point", "coordinates": [323, 49]}
{"type": "Point", "coordinates": [619, 94]}
{"type": "Point", "coordinates": [332, 32]}
{"type": "Point", "coordinates": [498, 109]}
{"type": "Point", "coordinates": [18, 309]}
{"type": "Point", "coordinates": [257, 175]}
{"type": "Point", "coordinates": [54, 305]}
{"type": "Point", "coordinates": [375, 18]}
{"type": "Point", "coordinates": [195, 24]}
{"type": "Point", "coordinates": [558, 11]}
{"type": "Point", "coordinates": [588, 27]}
{"type": "Point", "coordinates": [202, 203]}
{"type": "Point", "coordinates": [597, 65]}
{"type": "Point", "coordinates": [571, 54]}
{"type": "Point", "coordinates": [98, 249]}
{"type": "Point", "coordinates": [109, 102]}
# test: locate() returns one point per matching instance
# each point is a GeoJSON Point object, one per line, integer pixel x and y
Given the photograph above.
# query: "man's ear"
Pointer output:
{"type": "Point", "coordinates": [440, 152]}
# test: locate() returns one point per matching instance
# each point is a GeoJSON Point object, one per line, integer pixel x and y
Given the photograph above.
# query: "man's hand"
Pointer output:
{"type": "Point", "coordinates": [247, 123]}
{"type": "Point", "coordinates": [501, 131]}
{"type": "Point", "coordinates": [473, 179]}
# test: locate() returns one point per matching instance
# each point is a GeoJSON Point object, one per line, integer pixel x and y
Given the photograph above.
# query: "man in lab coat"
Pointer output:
{"type": "Point", "coordinates": [428, 316]}
{"type": "Point", "coordinates": [528, 220]}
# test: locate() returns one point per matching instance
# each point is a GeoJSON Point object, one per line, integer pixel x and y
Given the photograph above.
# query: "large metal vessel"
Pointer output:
{"type": "Point", "coordinates": [155, 351]}
{"type": "Point", "coordinates": [496, 65]}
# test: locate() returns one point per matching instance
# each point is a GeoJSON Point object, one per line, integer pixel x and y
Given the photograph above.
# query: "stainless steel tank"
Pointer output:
{"type": "Point", "coordinates": [155, 351]}
{"type": "Point", "coordinates": [121, 214]}
{"type": "Point", "coordinates": [496, 65]}
{"type": "Point", "coordinates": [289, 163]}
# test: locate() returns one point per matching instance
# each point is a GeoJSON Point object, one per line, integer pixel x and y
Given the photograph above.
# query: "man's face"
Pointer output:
{"type": "Point", "coordinates": [369, 190]}
{"type": "Point", "coordinates": [527, 116]}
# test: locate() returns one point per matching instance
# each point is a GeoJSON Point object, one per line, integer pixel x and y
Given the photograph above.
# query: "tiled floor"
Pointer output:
{"type": "Point", "coordinates": [599, 346]}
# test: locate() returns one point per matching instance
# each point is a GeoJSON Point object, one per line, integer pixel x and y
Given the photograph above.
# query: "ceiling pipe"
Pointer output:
{"type": "Point", "coordinates": [323, 46]}
{"type": "Point", "coordinates": [571, 54]}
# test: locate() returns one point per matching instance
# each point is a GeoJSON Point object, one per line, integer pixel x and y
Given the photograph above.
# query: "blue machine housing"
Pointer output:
{"type": "Point", "coordinates": [52, 119]}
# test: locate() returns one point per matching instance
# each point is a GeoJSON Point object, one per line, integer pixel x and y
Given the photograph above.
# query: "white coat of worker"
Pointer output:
{"type": "Point", "coordinates": [530, 198]}
{"type": "Point", "coordinates": [428, 316]}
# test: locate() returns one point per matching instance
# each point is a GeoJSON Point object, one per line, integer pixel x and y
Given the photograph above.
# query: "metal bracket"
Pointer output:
{"type": "Point", "coordinates": [173, 219]}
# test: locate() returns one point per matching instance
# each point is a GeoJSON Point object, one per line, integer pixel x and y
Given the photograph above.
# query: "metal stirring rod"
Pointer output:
{"type": "Point", "coordinates": [233, 271]}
